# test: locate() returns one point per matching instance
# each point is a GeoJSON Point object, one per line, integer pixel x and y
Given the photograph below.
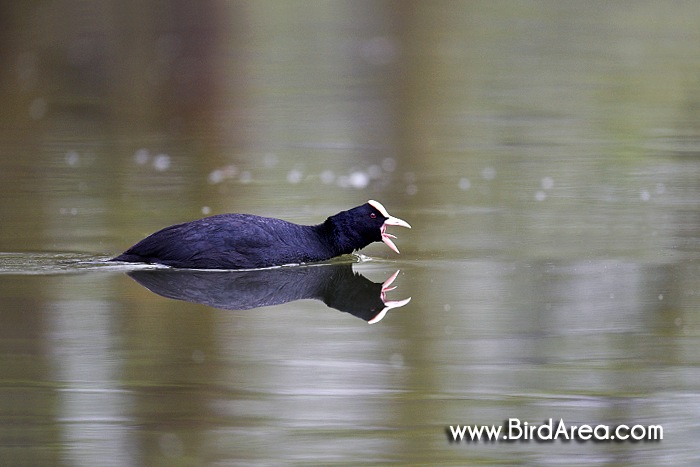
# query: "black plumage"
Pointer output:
{"type": "Point", "coordinates": [335, 284]}
{"type": "Point", "coordinates": [245, 241]}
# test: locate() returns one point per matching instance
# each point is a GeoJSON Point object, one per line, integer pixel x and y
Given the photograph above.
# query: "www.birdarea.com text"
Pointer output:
{"type": "Point", "coordinates": [514, 429]}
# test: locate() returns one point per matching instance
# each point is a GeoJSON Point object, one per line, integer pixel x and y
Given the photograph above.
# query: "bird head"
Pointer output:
{"type": "Point", "coordinates": [360, 226]}
{"type": "Point", "coordinates": [380, 212]}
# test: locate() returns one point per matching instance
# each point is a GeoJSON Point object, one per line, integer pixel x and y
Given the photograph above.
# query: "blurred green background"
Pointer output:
{"type": "Point", "coordinates": [546, 153]}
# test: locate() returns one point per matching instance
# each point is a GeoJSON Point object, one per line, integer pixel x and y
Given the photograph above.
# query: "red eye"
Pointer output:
{"type": "Point", "coordinates": [373, 215]}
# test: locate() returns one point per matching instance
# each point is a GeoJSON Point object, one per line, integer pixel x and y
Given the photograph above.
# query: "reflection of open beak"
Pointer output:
{"type": "Point", "coordinates": [386, 237]}
{"type": "Point", "coordinates": [389, 304]}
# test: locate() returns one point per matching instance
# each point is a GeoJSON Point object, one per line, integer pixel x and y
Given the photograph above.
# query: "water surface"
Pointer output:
{"type": "Point", "coordinates": [546, 155]}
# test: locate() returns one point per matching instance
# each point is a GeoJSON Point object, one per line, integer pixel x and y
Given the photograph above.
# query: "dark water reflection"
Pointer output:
{"type": "Point", "coordinates": [336, 285]}
{"type": "Point", "coordinates": [547, 155]}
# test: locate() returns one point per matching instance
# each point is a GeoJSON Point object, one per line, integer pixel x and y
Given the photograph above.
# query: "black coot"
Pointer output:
{"type": "Point", "coordinates": [245, 241]}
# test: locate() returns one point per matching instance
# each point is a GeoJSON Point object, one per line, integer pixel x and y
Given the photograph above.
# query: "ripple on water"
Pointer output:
{"type": "Point", "coordinates": [48, 263]}
{"type": "Point", "coordinates": [31, 263]}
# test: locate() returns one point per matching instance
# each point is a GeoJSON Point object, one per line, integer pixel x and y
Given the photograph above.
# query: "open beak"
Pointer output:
{"type": "Point", "coordinates": [389, 304]}
{"type": "Point", "coordinates": [391, 220]}
{"type": "Point", "coordinates": [386, 237]}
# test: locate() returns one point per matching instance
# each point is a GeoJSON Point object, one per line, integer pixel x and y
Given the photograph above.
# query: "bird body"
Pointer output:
{"type": "Point", "coordinates": [246, 241]}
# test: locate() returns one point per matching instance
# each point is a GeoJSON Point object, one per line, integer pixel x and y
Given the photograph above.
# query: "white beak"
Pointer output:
{"type": "Point", "coordinates": [386, 237]}
{"type": "Point", "coordinates": [389, 304]}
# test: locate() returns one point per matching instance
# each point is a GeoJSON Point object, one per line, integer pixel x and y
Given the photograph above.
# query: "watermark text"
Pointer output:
{"type": "Point", "coordinates": [514, 429]}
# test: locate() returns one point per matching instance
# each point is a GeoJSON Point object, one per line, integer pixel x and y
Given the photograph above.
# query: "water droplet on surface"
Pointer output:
{"type": "Point", "coordinates": [488, 173]}
{"type": "Point", "coordinates": [216, 176]}
{"type": "Point", "coordinates": [464, 184]}
{"type": "Point", "coordinates": [295, 176]}
{"type": "Point", "coordinates": [359, 179]}
{"type": "Point", "coordinates": [161, 162]}
{"type": "Point", "coordinates": [547, 183]}
{"type": "Point", "coordinates": [72, 158]}
{"type": "Point", "coordinates": [141, 156]}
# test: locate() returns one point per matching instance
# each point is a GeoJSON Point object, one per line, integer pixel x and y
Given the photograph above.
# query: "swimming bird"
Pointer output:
{"type": "Point", "coordinates": [246, 241]}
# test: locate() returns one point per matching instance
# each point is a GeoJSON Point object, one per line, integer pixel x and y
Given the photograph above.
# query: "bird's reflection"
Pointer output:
{"type": "Point", "coordinates": [336, 285]}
